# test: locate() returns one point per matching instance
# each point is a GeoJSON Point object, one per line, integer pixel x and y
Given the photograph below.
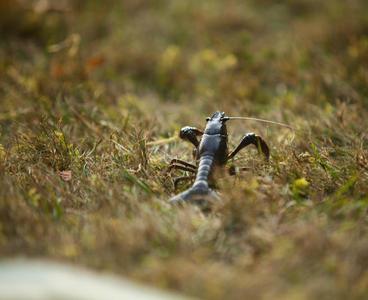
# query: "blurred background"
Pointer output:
{"type": "Point", "coordinates": [234, 55]}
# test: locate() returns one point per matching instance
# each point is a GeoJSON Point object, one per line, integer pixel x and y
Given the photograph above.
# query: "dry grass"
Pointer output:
{"type": "Point", "coordinates": [86, 87]}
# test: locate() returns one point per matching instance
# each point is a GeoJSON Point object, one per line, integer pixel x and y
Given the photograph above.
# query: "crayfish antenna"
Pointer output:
{"type": "Point", "coordinates": [262, 121]}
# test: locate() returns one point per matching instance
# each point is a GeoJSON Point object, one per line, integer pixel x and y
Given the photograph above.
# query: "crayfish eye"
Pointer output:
{"type": "Point", "coordinates": [208, 118]}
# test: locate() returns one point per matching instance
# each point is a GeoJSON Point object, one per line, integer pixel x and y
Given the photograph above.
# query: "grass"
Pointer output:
{"type": "Point", "coordinates": [101, 88]}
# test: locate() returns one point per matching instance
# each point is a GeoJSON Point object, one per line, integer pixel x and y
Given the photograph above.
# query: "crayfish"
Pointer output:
{"type": "Point", "coordinates": [211, 151]}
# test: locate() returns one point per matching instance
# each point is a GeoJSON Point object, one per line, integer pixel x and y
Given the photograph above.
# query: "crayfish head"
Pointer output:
{"type": "Point", "coordinates": [218, 117]}
{"type": "Point", "coordinates": [216, 124]}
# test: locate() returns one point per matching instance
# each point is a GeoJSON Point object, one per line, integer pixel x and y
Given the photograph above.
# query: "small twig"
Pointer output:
{"type": "Point", "coordinates": [120, 146]}
{"type": "Point", "coordinates": [163, 141]}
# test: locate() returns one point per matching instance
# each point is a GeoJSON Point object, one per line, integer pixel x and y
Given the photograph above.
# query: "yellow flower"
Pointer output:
{"type": "Point", "coordinates": [300, 188]}
{"type": "Point", "coordinates": [301, 183]}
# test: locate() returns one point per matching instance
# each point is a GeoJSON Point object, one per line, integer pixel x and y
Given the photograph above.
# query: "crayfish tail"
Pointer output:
{"type": "Point", "coordinates": [202, 197]}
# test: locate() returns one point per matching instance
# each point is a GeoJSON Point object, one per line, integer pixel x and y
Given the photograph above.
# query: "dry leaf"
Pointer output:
{"type": "Point", "coordinates": [66, 175]}
{"type": "Point", "coordinates": [94, 62]}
